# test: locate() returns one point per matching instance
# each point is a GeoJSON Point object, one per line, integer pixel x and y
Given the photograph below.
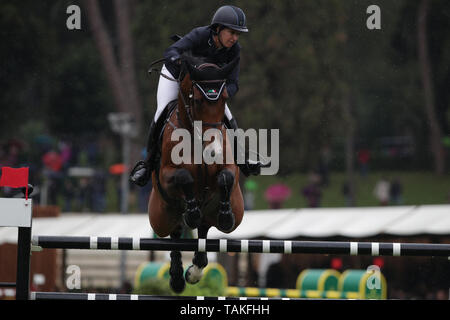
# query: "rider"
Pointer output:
{"type": "Point", "coordinates": [217, 42]}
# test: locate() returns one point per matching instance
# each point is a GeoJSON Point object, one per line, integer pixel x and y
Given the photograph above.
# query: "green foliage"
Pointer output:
{"type": "Point", "coordinates": [299, 63]}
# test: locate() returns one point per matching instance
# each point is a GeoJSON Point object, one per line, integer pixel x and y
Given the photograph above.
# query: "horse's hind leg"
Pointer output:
{"type": "Point", "coordinates": [199, 262]}
{"type": "Point", "coordinates": [177, 282]}
{"type": "Point", "coordinates": [225, 217]}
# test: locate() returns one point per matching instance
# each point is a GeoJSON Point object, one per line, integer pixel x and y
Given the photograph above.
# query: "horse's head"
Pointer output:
{"type": "Point", "coordinates": [203, 89]}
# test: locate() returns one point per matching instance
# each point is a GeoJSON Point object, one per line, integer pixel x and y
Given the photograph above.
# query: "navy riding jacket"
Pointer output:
{"type": "Point", "coordinates": [200, 42]}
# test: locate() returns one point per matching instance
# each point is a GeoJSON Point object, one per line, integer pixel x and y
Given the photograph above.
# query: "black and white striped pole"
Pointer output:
{"type": "Point", "coordinates": [254, 246]}
{"type": "Point", "coordinates": [128, 297]}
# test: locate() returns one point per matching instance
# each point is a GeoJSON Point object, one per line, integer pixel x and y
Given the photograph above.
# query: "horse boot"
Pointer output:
{"type": "Point", "coordinates": [225, 217]}
{"type": "Point", "coordinates": [249, 166]}
{"type": "Point", "coordinates": [141, 173]}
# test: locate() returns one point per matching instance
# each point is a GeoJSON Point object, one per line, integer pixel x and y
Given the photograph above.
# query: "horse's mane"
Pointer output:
{"type": "Point", "coordinates": [197, 60]}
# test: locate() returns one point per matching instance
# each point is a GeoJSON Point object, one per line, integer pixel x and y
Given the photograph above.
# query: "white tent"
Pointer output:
{"type": "Point", "coordinates": [357, 222]}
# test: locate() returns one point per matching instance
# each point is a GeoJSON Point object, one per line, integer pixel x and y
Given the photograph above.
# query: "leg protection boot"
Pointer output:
{"type": "Point", "coordinates": [141, 173]}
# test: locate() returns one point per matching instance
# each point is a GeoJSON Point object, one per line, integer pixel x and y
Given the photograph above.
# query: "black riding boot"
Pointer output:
{"type": "Point", "coordinates": [141, 172]}
{"type": "Point", "coordinates": [248, 167]}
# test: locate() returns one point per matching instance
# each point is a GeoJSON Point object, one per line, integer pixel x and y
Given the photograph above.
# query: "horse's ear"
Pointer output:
{"type": "Point", "coordinates": [193, 71]}
{"type": "Point", "coordinates": [189, 64]}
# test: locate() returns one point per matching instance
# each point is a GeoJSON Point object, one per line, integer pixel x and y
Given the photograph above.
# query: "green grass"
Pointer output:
{"type": "Point", "coordinates": [418, 188]}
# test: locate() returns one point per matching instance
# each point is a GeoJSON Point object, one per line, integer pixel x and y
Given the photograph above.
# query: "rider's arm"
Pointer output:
{"type": "Point", "coordinates": [232, 82]}
{"type": "Point", "coordinates": [233, 79]}
{"type": "Point", "coordinates": [193, 39]}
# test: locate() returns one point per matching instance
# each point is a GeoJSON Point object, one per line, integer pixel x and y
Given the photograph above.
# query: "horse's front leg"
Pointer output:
{"type": "Point", "coordinates": [177, 282]}
{"type": "Point", "coordinates": [181, 179]}
{"type": "Point", "coordinates": [199, 262]}
{"type": "Point", "coordinates": [225, 217]}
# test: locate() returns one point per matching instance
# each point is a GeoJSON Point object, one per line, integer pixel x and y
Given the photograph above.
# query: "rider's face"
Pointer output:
{"type": "Point", "coordinates": [229, 37]}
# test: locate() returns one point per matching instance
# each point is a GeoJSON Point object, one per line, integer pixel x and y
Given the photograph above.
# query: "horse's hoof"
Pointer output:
{"type": "Point", "coordinates": [177, 284]}
{"type": "Point", "coordinates": [193, 274]}
{"type": "Point", "coordinates": [225, 221]}
{"type": "Point", "coordinates": [192, 218]}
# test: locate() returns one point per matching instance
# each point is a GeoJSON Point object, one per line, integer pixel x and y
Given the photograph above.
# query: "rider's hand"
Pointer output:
{"type": "Point", "coordinates": [176, 59]}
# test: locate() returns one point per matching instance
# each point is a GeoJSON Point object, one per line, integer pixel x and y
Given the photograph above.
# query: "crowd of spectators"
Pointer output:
{"type": "Point", "coordinates": [75, 176]}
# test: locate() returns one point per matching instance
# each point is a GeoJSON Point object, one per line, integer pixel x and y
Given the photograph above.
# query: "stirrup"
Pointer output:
{"type": "Point", "coordinates": [251, 168]}
{"type": "Point", "coordinates": [140, 174]}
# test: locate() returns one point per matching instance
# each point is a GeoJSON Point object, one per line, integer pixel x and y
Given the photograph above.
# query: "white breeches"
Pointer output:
{"type": "Point", "coordinates": [168, 91]}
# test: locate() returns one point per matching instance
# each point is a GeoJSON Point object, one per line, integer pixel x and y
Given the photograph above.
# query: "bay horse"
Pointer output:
{"type": "Point", "coordinates": [196, 195]}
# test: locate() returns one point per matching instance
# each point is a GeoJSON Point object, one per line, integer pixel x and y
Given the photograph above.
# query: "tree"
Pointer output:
{"type": "Point", "coordinates": [120, 72]}
{"type": "Point", "coordinates": [428, 91]}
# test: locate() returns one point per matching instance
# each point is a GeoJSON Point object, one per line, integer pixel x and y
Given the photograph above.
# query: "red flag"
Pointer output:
{"type": "Point", "coordinates": [14, 178]}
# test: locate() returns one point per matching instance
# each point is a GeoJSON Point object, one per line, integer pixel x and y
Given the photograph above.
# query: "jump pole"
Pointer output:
{"type": "Point", "coordinates": [108, 296]}
{"type": "Point", "coordinates": [253, 246]}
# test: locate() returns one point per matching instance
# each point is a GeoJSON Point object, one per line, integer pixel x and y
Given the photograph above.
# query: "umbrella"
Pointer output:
{"type": "Point", "coordinates": [277, 192]}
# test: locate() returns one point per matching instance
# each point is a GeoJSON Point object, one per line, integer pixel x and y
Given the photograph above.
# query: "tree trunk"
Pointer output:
{"type": "Point", "coordinates": [126, 58]}
{"type": "Point", "coordinates": [127, 67]}
{"type": "Point", "coordinates": [105, 48]}
{"type": "Point", "coordinates": [435, 131]}
{"type": "Point", "coordinates": [120, 72]}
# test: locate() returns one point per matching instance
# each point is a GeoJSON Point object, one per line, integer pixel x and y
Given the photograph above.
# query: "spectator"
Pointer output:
{"type": "Point", "coordinates": [68, 192]}
{"type": "Point", "coordinates": [395, 192]}
{"type": "Point", "coordinates": [363, 160]}
{"type": "Point", "coordinates": [98, 195]}
{"type": "Point", "coordinates": [144, 196]}
{"type": "Point", "coordinates": [250, 187]}
{"type": "Point", "coordinates": [347, 194]}
{"type": "Point", "coordinates": [381, 191]}
{"type": "Point", "coordinates": [324, 166]}
{"type": "Point", "coordinates": [85, 192]}
{"type": "Point", "coordinates": [276, 194]}
{"type": "Point", "coordinates": [312, 191]}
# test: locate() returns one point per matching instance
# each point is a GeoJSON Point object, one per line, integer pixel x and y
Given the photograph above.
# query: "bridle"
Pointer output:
{"type": "Point", "coordinates": [190, 105]}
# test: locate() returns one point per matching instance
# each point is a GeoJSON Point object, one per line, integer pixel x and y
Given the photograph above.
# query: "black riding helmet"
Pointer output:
{"type": "Point", "coordinates": [230, 17]}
